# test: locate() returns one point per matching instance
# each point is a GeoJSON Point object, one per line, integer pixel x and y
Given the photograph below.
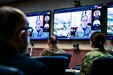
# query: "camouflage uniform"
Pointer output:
{"type": "Point", "coordinates": [89, 58]}
{"type": "Point", "coordinates": [51, 51]}
{"type": "Point", "coordinates": [83, 32]}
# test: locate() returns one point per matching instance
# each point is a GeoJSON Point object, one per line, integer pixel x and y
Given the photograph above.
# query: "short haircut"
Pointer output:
{"type": "Point", "coordinates": [84, 16]}
{"type": "Point", "coordinates": [98, 39]}
{"type": "Point", "coordinates": [10, 18]}
{"type": "Point", "coordinates": [53, 40]}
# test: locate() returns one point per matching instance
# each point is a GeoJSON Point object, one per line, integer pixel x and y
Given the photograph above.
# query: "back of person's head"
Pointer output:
{"type": "Point", "coordinates": [52, 40]}
{"type": "Point", "coordinates": [13, 25]}
{"type": "Point", "coordinates": [10, 19]}
{"type": "Point", "coordinates": [98, 39]}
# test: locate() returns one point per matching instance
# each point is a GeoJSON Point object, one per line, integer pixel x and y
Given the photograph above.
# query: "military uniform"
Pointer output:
{"type": "Point", "coordinates": [89, 58]}
{"type": "Point", "coordinates": [51, 51]}
{"type": "Point", "coordinates": [83, 32]}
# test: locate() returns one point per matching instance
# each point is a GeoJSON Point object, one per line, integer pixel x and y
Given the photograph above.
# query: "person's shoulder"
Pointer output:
{"type": "Point", "coordinates": [63, 51]}
{"type": "Point", "coordinates": [46, 52]}
{"type": "Point", "coordinates": [79, 29]}
{"type": "Point", "coordinates": [93, 53]}
{"type": "Point", "coordinates": [87, 54]}
{"type": "Point", "coordinates": [89, 27]}
{"type": "Point", "coordinates": [97, 54]}
{"type": "Point", "coordinates": [45, 49]}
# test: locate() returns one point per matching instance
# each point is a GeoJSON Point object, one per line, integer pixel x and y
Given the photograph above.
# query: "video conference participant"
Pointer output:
{"type": "Point", "coordinates": [38, 30]}
{"type": "Point", "coordinates": [53, 48]}
{"type": "Point", "coordinates": [97, 14]}
{"type": "Point", "coordinates": [84, 30]}
{"type": "Point", "coordinates": [13, 42]}
{"type": "Point", "coordinates": [97, 42]}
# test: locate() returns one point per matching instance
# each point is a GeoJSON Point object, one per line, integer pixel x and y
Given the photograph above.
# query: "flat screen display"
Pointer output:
{"type": "Point", "coordinates": [40, 23]}
{"type": "Point", "coordinates": [77, 23]}
{"type": "Point", "coordinates": [109, 21]}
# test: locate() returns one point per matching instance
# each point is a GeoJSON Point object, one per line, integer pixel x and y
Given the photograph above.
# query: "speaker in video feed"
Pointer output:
{"type": "Point", "coordinates": [40, 23]}
{"type": "Point", "coordinates": [77, 23]}
{"type": "Point", "coordinates": [109, 21]}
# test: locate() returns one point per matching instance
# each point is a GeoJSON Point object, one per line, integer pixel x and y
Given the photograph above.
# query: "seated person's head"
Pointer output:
{"type": "Point", "coordinates": [52, 40]}
{"type": "Point", "coordinates": [13, 25]}
{"type": "Point", "coordinates": [97, 40]}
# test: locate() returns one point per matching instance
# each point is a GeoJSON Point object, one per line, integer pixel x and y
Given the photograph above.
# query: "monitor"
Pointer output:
{"type": "Point", "coordinates": [77, 23]}
{"type": "Point", "coordinates": [40, 22]}
{"type": "Point", "coordinates": [109, 28]}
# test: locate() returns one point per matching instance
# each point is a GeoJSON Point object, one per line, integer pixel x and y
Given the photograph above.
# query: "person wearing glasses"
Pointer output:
{"type": "Point", "coordinates": [13, 42]}
{"type": "Point", "coordinates": [97, 42]}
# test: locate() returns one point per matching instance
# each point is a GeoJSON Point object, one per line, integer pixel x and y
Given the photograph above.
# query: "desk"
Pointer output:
{"type": "Point", "coordinates": [72, 72]}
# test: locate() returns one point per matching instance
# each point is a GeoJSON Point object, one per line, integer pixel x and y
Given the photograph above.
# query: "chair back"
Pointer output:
{"type": "Point", "coordinates": [6, 70]}
{"type": "Point", "coordinates": [66, 55]}
{"type": "Point", "coordinates": [57, 64]}
{"type": "Point", "coordinates": [103, 66]}
{"type": "Point", "coordinates": [111, 52]}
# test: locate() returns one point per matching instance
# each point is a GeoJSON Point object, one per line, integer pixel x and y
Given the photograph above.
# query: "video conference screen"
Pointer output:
{"type": "Point", "coordinates": [110, 21]}
{"type": "Point", "coordinates": [77, 23]}
{"type": "Point", "coordinates": [40, 23]}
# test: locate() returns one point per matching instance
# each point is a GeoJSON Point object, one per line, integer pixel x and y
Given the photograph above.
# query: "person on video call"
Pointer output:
{"type": "Point", "coordinates": [97, 42]}
{"type": "Point", "coordinates": [13, 42]}
{"type": "Point", "coordinates": [38, 28]}
{"type": "Point", "coordinates": [53, 48]}
{"type": "Point", "coordinates": [96, 14]}
{"type": "Point", "coordinates": [84, 30]}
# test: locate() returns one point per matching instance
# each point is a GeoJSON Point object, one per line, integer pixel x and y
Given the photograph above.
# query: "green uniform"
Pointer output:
{"type": "Point", "coordinates": [89, 58]}
{"type": "Point", "coordinates": [51, 51]}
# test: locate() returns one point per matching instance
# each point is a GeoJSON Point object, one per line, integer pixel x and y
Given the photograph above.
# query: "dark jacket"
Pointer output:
{"type": "Point", "coordinates": [10, 57]}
